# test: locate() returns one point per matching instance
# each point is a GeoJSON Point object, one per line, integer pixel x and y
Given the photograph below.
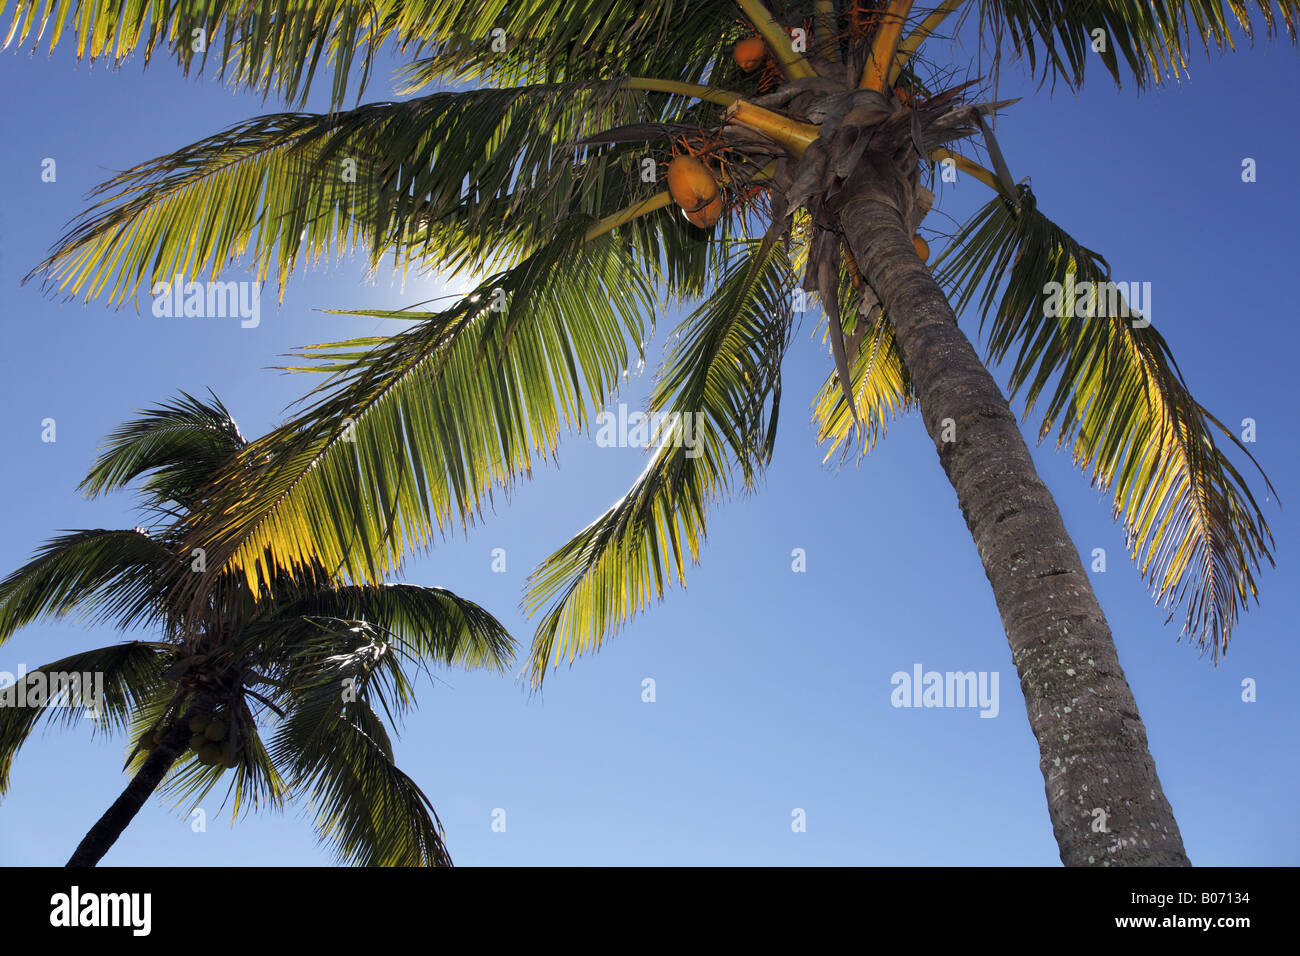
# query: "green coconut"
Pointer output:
{"type": "Point", "coordinates": [216, 730]}
{"type": "Point", "coordinates": [199, 723]}
{"type": "Point", "coordinates": [209, 754]}
{"type": "Point", "coordinates": [197, 741]}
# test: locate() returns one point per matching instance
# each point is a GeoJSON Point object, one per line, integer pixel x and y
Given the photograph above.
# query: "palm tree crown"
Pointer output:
{"type": "Point", "coordinates": [289, 685]}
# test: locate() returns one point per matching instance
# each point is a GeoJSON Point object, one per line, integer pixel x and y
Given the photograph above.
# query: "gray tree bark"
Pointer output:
{"type": "Point", "coordinates": [1092, 743]}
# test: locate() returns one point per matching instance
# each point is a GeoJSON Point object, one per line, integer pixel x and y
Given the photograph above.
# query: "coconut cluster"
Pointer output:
{"type": "Point", "coordinates": [693, 186]}
{"type": "Point", "coordinates": [209, 740]}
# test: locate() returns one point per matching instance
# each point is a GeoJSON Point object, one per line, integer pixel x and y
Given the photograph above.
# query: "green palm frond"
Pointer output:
{"type": "Point", "coordinates": [328, 659]}
{"type": "Point", "coordinates": [277, 49]}
{"type": "Point", "coordinates": [258, 781]}
{"type": "Point", "coordinates": [1151, 41]}
{"type": "Point", "coordinates": [687, 40]}
{"type": "Point", "coordinates": [724, 373]}
{"type": "Point", "coordinates": [724, 360]}
{"type": "Point", "coordinates": [182, 442]}
{"type": "Point", "coordinates": [412, 433]}
{"type": "Point", "coordinates": [131, 674]}
{"type": "Point", "coordinates": [108, 576]}
{"type": "Point", "coordinates": [255, 784]}
{"type": "Point", "coordinates": [339, 753]}
{"type": "Point", "coordinates": [294, 186]}
{"type": "Point", "coordinates": [425, 623]}
{"type": "Point", "coordinates": [1120, 401]}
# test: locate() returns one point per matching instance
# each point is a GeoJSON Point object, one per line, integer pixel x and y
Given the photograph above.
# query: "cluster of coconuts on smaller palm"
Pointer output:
{"type": "Point", "coordinates": [208, 740]}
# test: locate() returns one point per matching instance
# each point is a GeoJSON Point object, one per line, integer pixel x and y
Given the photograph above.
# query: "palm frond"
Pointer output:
{"type": "Point", "coordinates": [274, 49]}
{"type": "Point", "coordinates": [1120, 401]}
{"type": "Point", "coordinates": [182, 442]}
{"type": "Point", "coordinates": [368, 809]}
{"type": "Point", "coordinates": [131, 674]}
{"type": "Point", "coordinates": [325, 658]}
{"type": "Point", "coordinates": [271, 47]}
{"type": "Point", "coordinates": [425, 623]}
{"type": "Point", "coordinates": [109, 576]}
{"type": "Point", "coordinates": [454, 181]}
{"type": "Point", "coordinates": [687, 40]}
{"type": "Point", "coordinates": [719, 395]}
{"type": "Point", "coordinates": [413, 433]}
{"type": "Point", "coordinates": [1150, 41]}
{"type": "Point", "coordinates": [881, 389]}
{"type": "Point", "coordinates": [279, 50]}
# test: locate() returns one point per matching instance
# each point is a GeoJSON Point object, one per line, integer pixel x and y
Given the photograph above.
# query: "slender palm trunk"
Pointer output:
{"type": "Point", "coordinates": [1091, 741]}
{"type": "Point", "coordinates": [116, 818]}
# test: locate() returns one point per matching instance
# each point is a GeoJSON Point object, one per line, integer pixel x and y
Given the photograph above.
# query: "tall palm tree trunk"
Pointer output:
{"type": "Point", "coordinates": [1091, 741]}
{"type": "Point", "coordinates": [116, 818]}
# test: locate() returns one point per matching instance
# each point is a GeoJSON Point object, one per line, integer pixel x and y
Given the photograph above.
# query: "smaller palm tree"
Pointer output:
{"type": "Point", "coordinates": [277, 687]}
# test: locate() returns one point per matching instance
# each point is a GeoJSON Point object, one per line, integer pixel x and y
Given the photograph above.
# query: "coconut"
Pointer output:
{"type": "Point", "coordinates": [198, 723]}
{"type": "Point", "coordinates": [922, 248]}
{"type": "Point", "coordinates": [209, 754]}
{"type": "Point", "coordinates": [750, 53]}
{"type": "Point", "coordinates": [197, 741]}
{"type": "Point", "coordinates": [693, 188]}
{"type": "Point", "coordinates": [216, 730]}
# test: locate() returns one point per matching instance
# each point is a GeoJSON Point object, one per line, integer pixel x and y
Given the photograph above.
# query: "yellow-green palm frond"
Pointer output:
{"type": "Point", "coordinates": [686, 40]}
{"type": "Point", "coordinates": [278, 48]}
{"type": "Point", "coordinates": [881, 389]}
{"type": "Point", "coordinates": [457, 182]}
{"type": "Point", "coordinates": [1115, 395]}
{"type": "Point", "coordinates": [410, 434]}
{"type": "Point", "coordinates": [718, 395]}
{"type": "Point", "coordinates": [272, 47]}
{"type": "Point", "coordinates": [451, 181]}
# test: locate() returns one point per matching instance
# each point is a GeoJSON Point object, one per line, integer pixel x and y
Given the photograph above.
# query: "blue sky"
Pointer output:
{"type": "Point", "coordinates": [773, 687]}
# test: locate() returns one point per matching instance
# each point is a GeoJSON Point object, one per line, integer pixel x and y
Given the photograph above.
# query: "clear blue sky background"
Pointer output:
{"type": "Point", "coordinates": [773, 687]}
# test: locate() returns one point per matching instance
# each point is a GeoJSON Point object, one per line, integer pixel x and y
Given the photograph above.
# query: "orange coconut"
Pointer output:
{"type": "Point", "coordinates": [922, 248]}
{"type": "Point", "coordinates": [693, 188]}
{"type": "Point", "coordinates": [750, 53]}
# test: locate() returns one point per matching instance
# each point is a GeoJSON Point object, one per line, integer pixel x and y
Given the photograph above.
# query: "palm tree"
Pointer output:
{"type": "Point", "coordinates": [538, 161]}
{"type": "Point", "coordinates": [284, 685]}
